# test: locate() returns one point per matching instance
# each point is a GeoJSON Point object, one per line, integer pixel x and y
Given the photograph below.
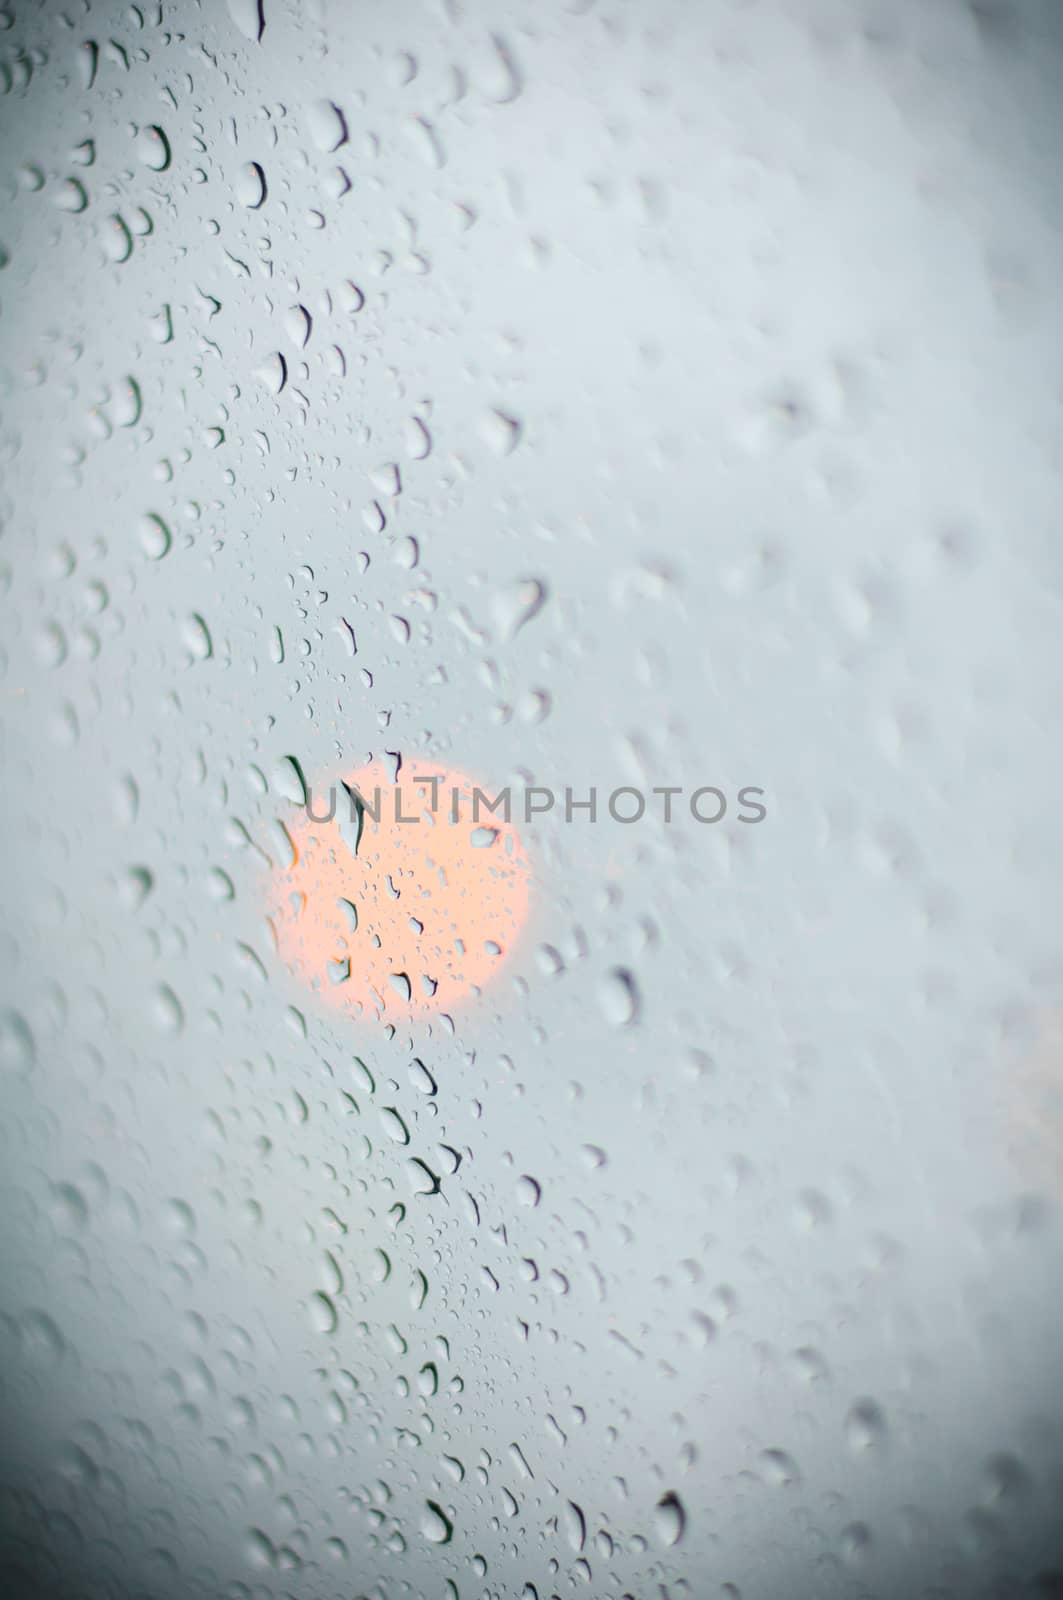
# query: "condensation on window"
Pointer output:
{"type": "Point", "coordinates": [531, 1033]}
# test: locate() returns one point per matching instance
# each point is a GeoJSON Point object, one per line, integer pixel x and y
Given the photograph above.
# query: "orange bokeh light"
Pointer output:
{"type": "Point", "coordinates": [408, 903]}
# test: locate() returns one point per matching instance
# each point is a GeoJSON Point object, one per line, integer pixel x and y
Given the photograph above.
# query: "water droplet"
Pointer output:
{"type": "Point", "coordinates": [670, 1519]}
{"type": "Point", "coordinates": [249, 16]}
{"type": "Point", "coordinates": [71, 196]}
{"type": "Point", "coordinates": [273, 373]}
{"type": "Point", "coordinates": [865, 1427]}
{"type": "Point", "coordinates": [153, 149]}
{"type": "Point", "coordinates": [327, 126]}
{"type": "Point", "coordinates": [394, 1126]}
{"type": "Point", "coordinates": [196, 636]}
{"type": "Point", "coordinates": [297, 325]}
{"type": "Point", "coordinates": [154, 535]}
{"type": "Point", "coordinates": [251, 186]}
{"type": "Point", "coordinates": [515, 605]}
{"type": "Point", "coordinates": [436, 1525]}
{"type": "Point", "coordinates": [287, 779]}
{"type": "Point", "coordinates": [500, 432]}
{"type": "Point", "coordinates": [324, 1317]}
{"type": "Point", "coordinates": [575, 1525]}
{"type": "Point", "coordinates": [500, 80]}
{"type": "Point", "coordinates": [117, 240]}
{"type": "Point", "coordinates": [418, 440]}
{"type": "Point", "coordinates": [43, 1346]}
{"type": "Point", "coordinates": [618, 997]}
{"type": "Point", "coordinates": [18, 1053]}
{"type": "Point", "coordinates": [780, 1469]}
{"type": "Point", "coordinates": [137, 883]}
{"type": "Point", "coordinates": [167, 1010]}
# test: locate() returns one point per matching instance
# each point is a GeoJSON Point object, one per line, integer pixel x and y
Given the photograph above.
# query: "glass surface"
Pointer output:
{"type": "Point", "coordinates": [556, 398]}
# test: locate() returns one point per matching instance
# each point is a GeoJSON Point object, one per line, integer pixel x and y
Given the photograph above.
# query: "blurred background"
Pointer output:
{"type": "Point", "coordinates": [583, 394]}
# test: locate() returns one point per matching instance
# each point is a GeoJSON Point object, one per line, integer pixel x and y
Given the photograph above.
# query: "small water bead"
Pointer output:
{"type": "Point", "coordinates": [249, 17]}
{"type": "Point", "coordinates": [117, 240]}
{"type": "Point", "coordinates": [500, 432]}
{"type": "Point", "coordinates": [514, 606]}
{"type": "Point", "coordinates": [436, 1526]}
{"type": "Point", "coordinates": [618, 996]}
{"type": "Point", "coordinates": [865, 1427]}
{"type": "Point", "coordinates": [670, 1519]}
{"type": "Point", "coordinates": [154, 536]}
{"type": "Point", "coordinates": [153, 149]}
{"type": "Point", "coordinates": [71, 196]}
{"type": "Point", "coordinates": [250, 186]}
{"type": "Point", "coordinates": [167, 1010]}
{"type": "Point", "coordinates": [324, 1318]}
{"type": "Point", "coordinates": [327, 126]}
{"type": "Point", "coordinates": [196, 636]}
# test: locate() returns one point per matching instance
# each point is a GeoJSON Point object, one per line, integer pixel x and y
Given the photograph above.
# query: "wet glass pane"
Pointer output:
{"type": "Point", "coordinates": [531, 1044]}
